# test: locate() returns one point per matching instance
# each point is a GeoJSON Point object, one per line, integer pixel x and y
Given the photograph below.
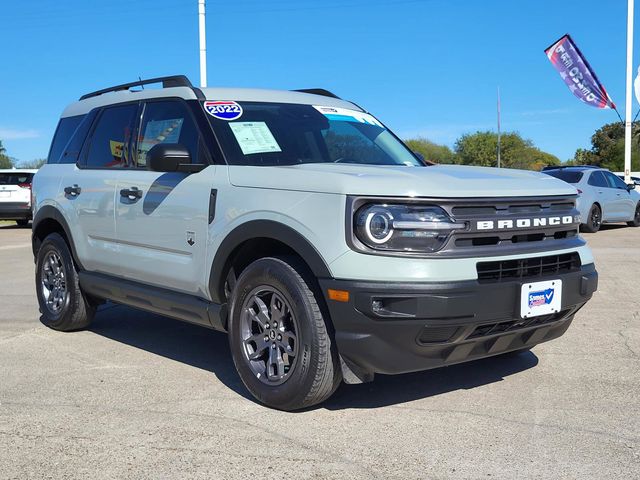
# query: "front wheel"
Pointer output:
{"type": "Point", "coordinates": [279, 338]}
{"type": "Point", "coordinates": [594, 221]}
{"type": "Point", "coordinates": [636, 218]}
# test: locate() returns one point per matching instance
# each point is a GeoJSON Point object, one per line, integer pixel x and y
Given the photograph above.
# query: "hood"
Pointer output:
{"type": "Point", "coordinates": [446, 181]}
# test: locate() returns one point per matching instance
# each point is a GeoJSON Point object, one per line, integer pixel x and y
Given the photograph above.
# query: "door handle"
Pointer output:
{"type": "Point", "coordinates": [133, 193]}
{"type": "Point", "coordinates": [73, 191]}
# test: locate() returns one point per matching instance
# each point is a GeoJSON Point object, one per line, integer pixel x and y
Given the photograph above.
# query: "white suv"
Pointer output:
{"type": "Point", "coordinates": [15, 195]}
{"type": "Point", "coordinates": [298, 223]}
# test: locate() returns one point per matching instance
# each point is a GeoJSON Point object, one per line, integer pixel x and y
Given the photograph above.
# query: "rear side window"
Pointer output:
{"type": "Point", "coordinates": [569, 176]}
{"type": "Point", "coordinates": [596, 179]}
{"type": "Point", "coordinates": [166, 122]}
{"type": "Point", "coordinates": [15, 178]}
{"type": "Point", "coordinates": [109, 144]}
{"type": "Point", "coordinates": [63, 134]}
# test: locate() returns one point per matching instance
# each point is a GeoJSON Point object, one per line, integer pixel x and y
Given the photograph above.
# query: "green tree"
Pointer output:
{"type": "Point", "coordinates": [431, 151]}
{"type": "Point", "coordinates": [607, 148]}
{"type": "Point", "coordinates": [481, 149]}
{"type": "Point", "coordinates": [5, 161]}
{"type": "Point", "coordinates": [35, 163]}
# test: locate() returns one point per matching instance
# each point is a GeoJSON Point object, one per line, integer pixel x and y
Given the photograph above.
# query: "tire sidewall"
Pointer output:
{"type": "Point", "coordinates": [279, 275]}
{"type": "Point", "coordinates": [55, 243]}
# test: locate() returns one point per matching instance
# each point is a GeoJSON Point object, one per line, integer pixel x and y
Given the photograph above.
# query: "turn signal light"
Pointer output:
{"type": "Point", "coordinates": [338, 295]}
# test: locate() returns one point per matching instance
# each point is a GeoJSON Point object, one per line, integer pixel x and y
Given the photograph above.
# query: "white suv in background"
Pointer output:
{"type": "Point", "coordinates": [15, 195]}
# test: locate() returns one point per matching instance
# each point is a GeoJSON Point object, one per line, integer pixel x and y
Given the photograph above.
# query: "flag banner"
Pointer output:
{"type": "Point", "coordinates": [577, 74]}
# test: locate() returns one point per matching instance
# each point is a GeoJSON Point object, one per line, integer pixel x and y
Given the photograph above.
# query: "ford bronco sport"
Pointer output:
{"type": "Point", "coordinates": [299, 224]}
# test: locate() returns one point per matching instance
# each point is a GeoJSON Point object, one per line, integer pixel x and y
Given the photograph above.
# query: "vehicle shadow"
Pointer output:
{"type": "Point", "coordinates": [14, 226]}
{"type": "Point", "coordinates": [209, 350]}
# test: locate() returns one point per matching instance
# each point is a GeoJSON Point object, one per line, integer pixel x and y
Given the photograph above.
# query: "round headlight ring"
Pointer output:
{"type": "Point", "coordinates": [378, 226]}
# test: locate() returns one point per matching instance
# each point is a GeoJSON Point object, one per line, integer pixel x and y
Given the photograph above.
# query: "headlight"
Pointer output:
{"type": "Point", "coordinates": [403, 228]}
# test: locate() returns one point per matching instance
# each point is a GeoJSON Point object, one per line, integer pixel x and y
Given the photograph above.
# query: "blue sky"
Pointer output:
{"type": "Point", "coordinates": [424, 67]}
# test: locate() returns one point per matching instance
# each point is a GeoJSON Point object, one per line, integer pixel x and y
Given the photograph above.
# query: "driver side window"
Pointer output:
{"type": "Point", "coordinates": [166, 122]}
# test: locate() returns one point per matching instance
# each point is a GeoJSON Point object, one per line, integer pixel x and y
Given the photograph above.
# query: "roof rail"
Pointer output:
{"type": "Point", "coordinates": [171, 81]}
{"type": "Point", "coordinates": [318, 91]}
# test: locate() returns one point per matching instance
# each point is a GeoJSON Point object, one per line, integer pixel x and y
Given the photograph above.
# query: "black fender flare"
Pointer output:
{"type": "Point", "coordinates": [263, 229]}
{"type": "Point", "coordinates": [49, 212]}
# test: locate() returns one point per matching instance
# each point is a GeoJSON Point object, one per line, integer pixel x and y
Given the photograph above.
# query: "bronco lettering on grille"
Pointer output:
{"type": "Point", "coordinates": [524, 223]}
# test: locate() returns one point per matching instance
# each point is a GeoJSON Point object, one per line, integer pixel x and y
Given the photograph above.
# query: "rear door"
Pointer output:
{"type": "Point", "coordinates": [162, 219]}
{"type": "Point", "coordinates": [603, 194]}
{"type": "Point", "coordinates": [624, 204]}
{"type": "Point", "coordinates": [89, 188]}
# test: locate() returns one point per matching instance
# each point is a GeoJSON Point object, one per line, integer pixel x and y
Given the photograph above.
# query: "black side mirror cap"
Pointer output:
{"type": "Point", "coordinates": [631, 186]}
{"type": "Point", "coordinates": [171, 157]}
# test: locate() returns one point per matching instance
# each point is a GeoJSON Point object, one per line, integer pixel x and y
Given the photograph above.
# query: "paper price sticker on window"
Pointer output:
{"type": "Point", "coordinates": [254, 137]}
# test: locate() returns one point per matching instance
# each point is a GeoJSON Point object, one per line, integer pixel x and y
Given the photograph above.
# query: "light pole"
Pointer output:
{"type": "Point", "coordinates": [628, 122]}
{"type": "Point", "coordinates": [203, 43]}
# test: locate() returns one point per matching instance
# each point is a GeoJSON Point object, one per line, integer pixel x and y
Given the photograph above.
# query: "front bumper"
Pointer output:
{"type": "Point", "coordinates": [15, 211]}
{"type": "Point", "coordinates": [392, 328]}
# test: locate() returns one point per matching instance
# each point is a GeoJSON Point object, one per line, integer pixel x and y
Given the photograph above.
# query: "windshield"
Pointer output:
{"type": "Point", "coordinates": [568, 176]}
{"type": "Point", "coordinates": [268, 134]}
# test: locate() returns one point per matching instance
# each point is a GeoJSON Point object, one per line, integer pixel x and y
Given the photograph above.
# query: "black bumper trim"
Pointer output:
{"type": "Point", "coordinates": [382, 327]}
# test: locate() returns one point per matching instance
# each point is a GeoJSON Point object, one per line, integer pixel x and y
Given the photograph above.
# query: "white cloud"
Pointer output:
{"type": "Point", "coordinates": [17, 134]}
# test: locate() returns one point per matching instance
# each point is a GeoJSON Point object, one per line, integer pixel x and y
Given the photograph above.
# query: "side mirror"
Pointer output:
{"type": "Point", "coordinates": [631, 186]}
{"type": "Point", "coordinates": [171, 157]}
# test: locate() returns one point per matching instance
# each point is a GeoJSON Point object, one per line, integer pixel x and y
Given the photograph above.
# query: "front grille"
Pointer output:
{"type": "Point", "coordinates": [504, 327]}
{"type": "Point", "coordinates": [527, 268]}
{"type": "Point", "coordinates": [514, 224]}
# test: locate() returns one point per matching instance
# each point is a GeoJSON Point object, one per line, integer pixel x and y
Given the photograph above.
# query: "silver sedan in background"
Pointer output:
{"type": "Point", "coordinates": [602, 196]}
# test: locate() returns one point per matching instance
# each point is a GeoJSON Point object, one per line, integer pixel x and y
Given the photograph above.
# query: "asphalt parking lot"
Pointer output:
{"type": "Point", "coordinates": [141, 396]}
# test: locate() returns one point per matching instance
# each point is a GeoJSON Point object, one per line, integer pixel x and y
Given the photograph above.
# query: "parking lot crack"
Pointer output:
{"type": "Point", "coordinates": [635, 316]}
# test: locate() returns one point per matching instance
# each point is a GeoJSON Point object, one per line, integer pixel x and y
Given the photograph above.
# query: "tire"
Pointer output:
{"type": "Point", "coordinates": [594, 221]}
{"type": "Point", "coordinates": [636, 218]}
{"type": "Point", "coordinates": [22, 222]}
{"type": "Point", "coordinates": [275, 378]}
{"type": "Point", "coordinates": [63, 305]}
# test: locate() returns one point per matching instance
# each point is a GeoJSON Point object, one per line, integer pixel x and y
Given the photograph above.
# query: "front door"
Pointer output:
{"type": "Point", "coordinates": [162, 219]}
{"type": "Point", "coordinates": [89, 189]}
{"type": "Point", "coordinates": [624, 205]}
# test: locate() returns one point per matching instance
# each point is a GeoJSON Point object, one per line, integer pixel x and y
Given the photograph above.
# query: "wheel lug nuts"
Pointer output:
{"type": "Point", "coordinates": [275, 324]}
{"type": "Point", "coordinates": [279, 337]}
{"type": "Point", "coordinates": [267, 325]}
{"type": "Point", "coordinates": [266, 339]}
{"type": "Point", "coordinates": [273, 345]}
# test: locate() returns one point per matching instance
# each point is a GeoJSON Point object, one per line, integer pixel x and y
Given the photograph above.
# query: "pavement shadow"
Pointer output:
{"type": "Point", "coordinates": [14, 226]}
{"type": "Point", "coordinates": [209, 350]}
{"type": "Point", "coordinates": [388, 390]}
{"type": "Point", "coordinates": [190, 344]}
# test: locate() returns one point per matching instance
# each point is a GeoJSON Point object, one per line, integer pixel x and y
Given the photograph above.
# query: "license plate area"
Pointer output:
{"type": "Point", "coordinates": [540, 298]}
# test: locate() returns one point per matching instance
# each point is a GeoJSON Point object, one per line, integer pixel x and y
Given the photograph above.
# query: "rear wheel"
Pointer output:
{"type": "Point", "coordinates": [280, 341]}
{"type": "Point", "coordinates": [62, 303]}
{"type": "Point", "coordinates": [636, 218]}
{"type": "Point", "coordinates": [594, 221]}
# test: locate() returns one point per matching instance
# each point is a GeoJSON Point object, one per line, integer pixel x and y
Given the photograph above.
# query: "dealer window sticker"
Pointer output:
{"type": "Point", "coordinates": [347, 115]}
{"type": "Point", "coordinates": [254, 137]}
